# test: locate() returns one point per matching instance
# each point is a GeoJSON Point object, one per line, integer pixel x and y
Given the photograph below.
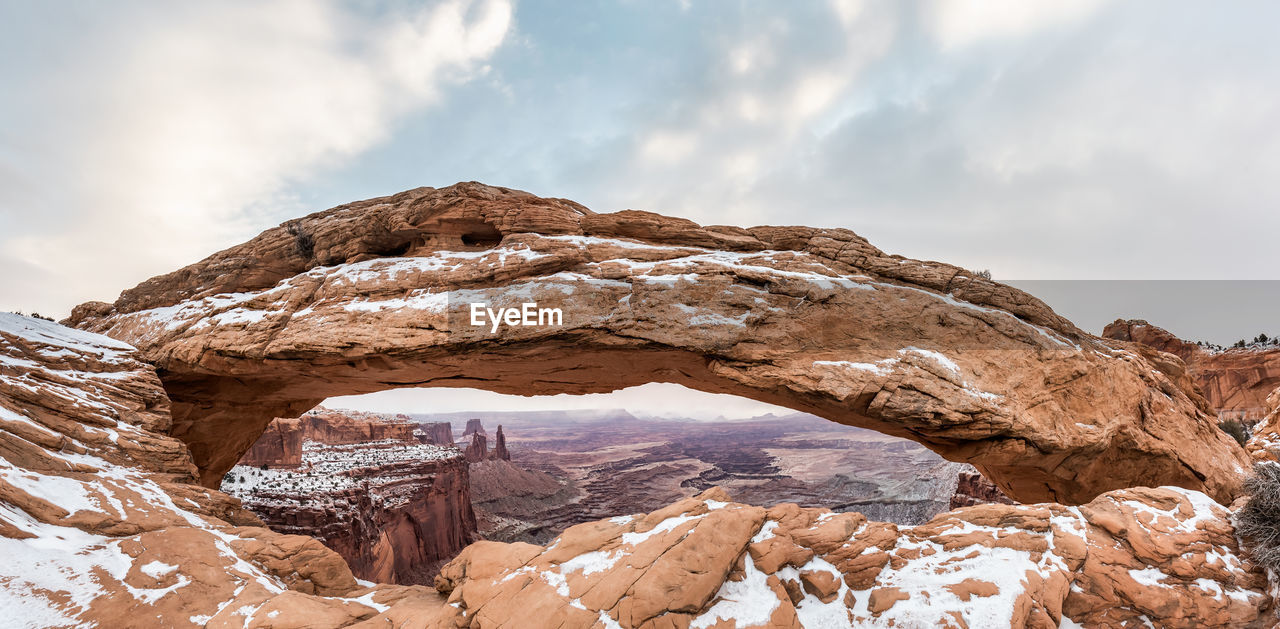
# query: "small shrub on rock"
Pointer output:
{"type": "Point", "coordinates": [1258, 521]}
{"type": "Point", "coordinates": [1237, 430]}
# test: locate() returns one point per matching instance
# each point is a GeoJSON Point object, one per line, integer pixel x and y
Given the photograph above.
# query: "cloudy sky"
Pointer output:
{"type": "Point", "coordinates": [1053, 140]}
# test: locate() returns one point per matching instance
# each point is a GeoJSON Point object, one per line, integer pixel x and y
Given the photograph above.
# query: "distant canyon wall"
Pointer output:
{"type": "Point", "coordinates": [398, 526]}
{"type": "Point", "coordinates": [281, 443]}
{"type": "Point", "coordinates": [1235, 382]}
{"type": "Point", "coordinates": [367, 486]}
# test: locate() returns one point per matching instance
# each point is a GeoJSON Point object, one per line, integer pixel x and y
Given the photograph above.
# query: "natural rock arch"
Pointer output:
{"type": "Point", "coordinates": [373, 295]}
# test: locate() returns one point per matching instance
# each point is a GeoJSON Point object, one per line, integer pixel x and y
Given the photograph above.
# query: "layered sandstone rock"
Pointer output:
{"type": "Point", "coordinates": [517, 504]}
{"type": "Point", "coordinates": [279, 446]}
{"type": "Point", "coordinates": [102, 524]}
{"type": "Point", "coordinates": [1235, 382]}
{"type": "Point", "coordinates": [394, 510]}
{"type": "Point", "coordinates": [500, 451]}
{"type": "Point", "coordinates": [377, 294]}
{"type": "Point", "coordinates": [1264, 444]}
{"type": "Point", "coordinates": [436, 433]}
{"type": "Point", "coordinates": [281, 443]}
{"type": "Point", "coordinates": [973, 488]}
{"type": "Point", "coordinates": [473, 426]}
{"type": "Point", "coordinates": [477, 450]}
{"type": "Point", "coordinates": [1135, 557]}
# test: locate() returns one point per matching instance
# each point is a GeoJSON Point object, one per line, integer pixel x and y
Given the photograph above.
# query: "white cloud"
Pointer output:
{"type": "Point", "coordinates": [959, 23]}
{"type": "Point", "coordinates": [178, 127]}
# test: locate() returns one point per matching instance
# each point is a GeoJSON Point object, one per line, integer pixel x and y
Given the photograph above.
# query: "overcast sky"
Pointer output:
{"type": "Point", "coordinates": [1040, 140]}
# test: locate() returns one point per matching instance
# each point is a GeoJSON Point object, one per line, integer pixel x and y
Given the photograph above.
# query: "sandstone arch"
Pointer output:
{"type": "Point", "coordinates": [371, 295]}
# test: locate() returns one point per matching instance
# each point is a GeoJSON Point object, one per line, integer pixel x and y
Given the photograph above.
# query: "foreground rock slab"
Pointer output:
{"type": "Point", "coordinates": [376, 294]}
{"type": "Point", "coordinates": [102, 524]}
{"type": "Point", "coordinates": [1140, 557]}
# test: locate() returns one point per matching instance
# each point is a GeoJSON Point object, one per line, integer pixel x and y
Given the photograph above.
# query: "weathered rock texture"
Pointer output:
{"type": "Point", "coordinates": [473, 426]}
{"type": "Point", "coordinates": [477, 450]}
{"type": "Point", "coordinates": [1264, 445]}
{"type": "Point", "coordinates": [102, 524]}
{"type": "Point", "coordinates": [281, 444]}
{"type": "Point", "coordinates": [394, 510]}
{"type": "Point", "coordinates": [1134, 557]}
{"type": "Point", "coordinates": [376, 294]}
{"type": "Point", "coordinates": [500, 451]}
{"type": "Point", "coordinates": [1235, 382]}
{"type": "Point", "coordinates": [438, 433]}
{"type": "Point", "coordinates": [973, 488]}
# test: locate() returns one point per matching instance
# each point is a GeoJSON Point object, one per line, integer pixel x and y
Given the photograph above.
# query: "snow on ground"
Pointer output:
{"type": "Point", "coordinates": [748, 603]}
{"type": "Point", "coordinates": [52, 571]}
{"type": "Point", "coordinates": [328, 469]}
{"type": "Point", "coordinates": [62, 340]}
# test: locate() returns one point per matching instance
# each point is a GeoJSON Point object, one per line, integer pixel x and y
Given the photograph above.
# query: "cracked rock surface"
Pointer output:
{"type": "Point", "coordinates": [375, 294]}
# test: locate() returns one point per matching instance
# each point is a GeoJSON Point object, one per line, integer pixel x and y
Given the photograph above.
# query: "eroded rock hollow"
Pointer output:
{"type": "Point", "coordinates": [376, 294]}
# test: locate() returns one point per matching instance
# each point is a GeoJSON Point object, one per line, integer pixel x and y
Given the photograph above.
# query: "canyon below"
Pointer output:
{"type": "Point", "coordinates": [590, 465]}
{"type": "Point", "coordinates": [958, 455]}
{"type": "Point", "coordinates": [397, 501]}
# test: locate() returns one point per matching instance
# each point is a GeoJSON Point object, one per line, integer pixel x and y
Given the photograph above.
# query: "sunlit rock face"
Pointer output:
{"type": "Point", "coordinates": [1234, 381]}
{"type": "Point", "coordinates": [101, 521]}
{"type": "Point", "coordinates": [102, 524]}
{"type": "Point", "coordinates": [376, 294]}
{"type": "Point", "coordinates": [1141, 557]}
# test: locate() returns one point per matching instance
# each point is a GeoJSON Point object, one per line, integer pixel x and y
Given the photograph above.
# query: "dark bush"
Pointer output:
{"type": "Point", "coordinates": [303, 242]}
{"type": "Point", "coordinates": [1258, 521]}
{"type": "Point", "coordinates": [1237, 430]}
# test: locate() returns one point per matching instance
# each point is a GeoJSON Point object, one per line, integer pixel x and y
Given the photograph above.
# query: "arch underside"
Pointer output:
{"type": "Point", "coordinates": [814, 320]}
{"type": "Point", "coordinates": [220, 417]}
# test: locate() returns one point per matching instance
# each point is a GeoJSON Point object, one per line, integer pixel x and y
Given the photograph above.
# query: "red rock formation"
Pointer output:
{"type": "Point", "coordinates": [1264, 445]}
{"type": "Point", "coordinates": [102, 524]}
{"type": "Point", "coordinates": [973, 488]}
{"type": "Point", "coordinates": [500, 447]}
{"type": "Point", "coordinates": [394, 512]}
{"type": "Point", "coordinates": [1128, 558]}
{"type": "Point", "coordinates": [473, 426]}
{"type": "Point", "coordinates": [335, 427]}
{"type": "Point", "coordinates": [438, 433]}
{"type": "Point", "coordinates": [357, 299]}
{"type": "Point", "coordinates": [281, 443]}
{"type": "Point", "coordinates": [478, 450]}
{"type": "Point", "coordinates": [279, 446]}
{"type": "Point", "coordinates": [1235, 382]}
